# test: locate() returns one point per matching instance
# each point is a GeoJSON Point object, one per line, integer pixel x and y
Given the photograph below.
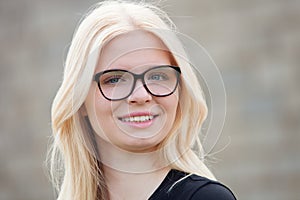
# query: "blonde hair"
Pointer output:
{"type": "Point", "coordinates": [75, 171]}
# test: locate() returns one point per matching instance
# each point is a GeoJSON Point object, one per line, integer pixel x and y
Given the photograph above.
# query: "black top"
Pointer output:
{"type": "Point", "coordinates": [192, 187]}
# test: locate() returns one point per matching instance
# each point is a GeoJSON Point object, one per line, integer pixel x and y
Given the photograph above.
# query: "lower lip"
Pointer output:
{"type": "Point", "coordinates": [144, 124]}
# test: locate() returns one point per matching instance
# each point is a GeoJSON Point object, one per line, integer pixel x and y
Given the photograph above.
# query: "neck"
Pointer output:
{"type": "Point", "coordinates": [126, 172]}
{"type": "Point", "coordinates": [129, 162]}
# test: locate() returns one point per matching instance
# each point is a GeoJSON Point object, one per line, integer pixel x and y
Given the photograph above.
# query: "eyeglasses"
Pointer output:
{"type": "Point", "coordinates": [118, 84]}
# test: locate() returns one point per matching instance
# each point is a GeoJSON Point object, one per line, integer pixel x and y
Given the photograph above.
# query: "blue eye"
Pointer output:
{"type": "Point", "coordinates": [112, 80]}
{"type": "Point", "coordinates": [158, 77]}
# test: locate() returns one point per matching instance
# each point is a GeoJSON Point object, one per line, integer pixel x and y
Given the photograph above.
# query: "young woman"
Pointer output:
{"type": "Point", "coordinates": [129, 111]}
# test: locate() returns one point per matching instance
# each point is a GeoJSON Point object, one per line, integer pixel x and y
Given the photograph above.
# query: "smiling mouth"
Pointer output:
{"type": "Point", "coordinates": [138, 119]}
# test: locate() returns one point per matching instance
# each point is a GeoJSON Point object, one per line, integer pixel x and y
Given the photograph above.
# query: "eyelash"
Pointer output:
{"type": "Point", "coordinates": [164, 76]}
{"type": "Point", "coordinates": [108, 80]}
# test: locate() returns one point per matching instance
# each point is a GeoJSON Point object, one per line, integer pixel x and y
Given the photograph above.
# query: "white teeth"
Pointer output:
{"type": "Point", "coordinates": [137, 118]}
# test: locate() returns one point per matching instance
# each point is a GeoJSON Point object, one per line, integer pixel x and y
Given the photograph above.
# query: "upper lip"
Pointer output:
{"type": "Point", "coordinates": [136, 114]}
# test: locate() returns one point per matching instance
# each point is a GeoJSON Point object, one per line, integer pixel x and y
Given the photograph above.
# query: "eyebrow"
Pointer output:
{"type": "Point", "coordinates": [145, 67]}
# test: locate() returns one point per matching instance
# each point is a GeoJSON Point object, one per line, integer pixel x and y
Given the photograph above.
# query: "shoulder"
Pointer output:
{"type": "Point", "coordinates": [195, 187]}
{"type": "Point", "coordinates": [212, 190]}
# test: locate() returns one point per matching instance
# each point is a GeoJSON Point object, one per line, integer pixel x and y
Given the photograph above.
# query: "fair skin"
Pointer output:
{"type": "Point", "coordinates": [129, 151]}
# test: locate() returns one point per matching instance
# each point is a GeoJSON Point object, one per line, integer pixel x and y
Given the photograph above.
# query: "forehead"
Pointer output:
{"type": "Point", "coordinates": [135, 49]}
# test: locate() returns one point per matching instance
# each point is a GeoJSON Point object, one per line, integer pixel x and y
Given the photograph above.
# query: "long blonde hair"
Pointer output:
{"type": "Point", "coordinates": [75, 171]}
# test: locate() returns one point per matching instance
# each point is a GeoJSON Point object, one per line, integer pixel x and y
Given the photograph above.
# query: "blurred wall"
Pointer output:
{"type": "Point", "coordinates": [256, 45]}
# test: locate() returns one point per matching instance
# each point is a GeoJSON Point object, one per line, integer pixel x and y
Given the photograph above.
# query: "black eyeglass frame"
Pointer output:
{"type": "Point", "coordinates": [137, 77]}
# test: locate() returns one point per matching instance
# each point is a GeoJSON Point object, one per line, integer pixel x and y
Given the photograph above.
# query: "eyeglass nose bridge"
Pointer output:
{"type": "Point", "coordinates": [137, 77]}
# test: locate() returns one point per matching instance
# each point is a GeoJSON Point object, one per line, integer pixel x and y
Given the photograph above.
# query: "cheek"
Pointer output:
{"type": "Point", "coordinates": [98, 110]}
{"type": "Point", "coordinates": [171, 103]}
{"type": "Point", "coordinates": [99, 105]}
{"type": "Point", "coordinates": [172, 106]}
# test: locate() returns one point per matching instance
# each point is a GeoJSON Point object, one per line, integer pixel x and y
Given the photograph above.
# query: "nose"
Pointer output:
{"type": "Point", "coordinates": [139, 95]}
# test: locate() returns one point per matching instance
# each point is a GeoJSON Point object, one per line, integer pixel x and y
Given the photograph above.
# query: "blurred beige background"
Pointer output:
{"type": "Point", "coordinates": [256, 45]}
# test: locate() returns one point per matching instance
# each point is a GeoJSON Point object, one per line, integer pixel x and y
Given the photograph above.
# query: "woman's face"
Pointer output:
{"type": "Point", "coordinates": [141, 121]}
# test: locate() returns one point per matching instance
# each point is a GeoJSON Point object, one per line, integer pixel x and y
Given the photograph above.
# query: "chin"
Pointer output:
{"type": "Point", "coordinates": [140, 145]}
